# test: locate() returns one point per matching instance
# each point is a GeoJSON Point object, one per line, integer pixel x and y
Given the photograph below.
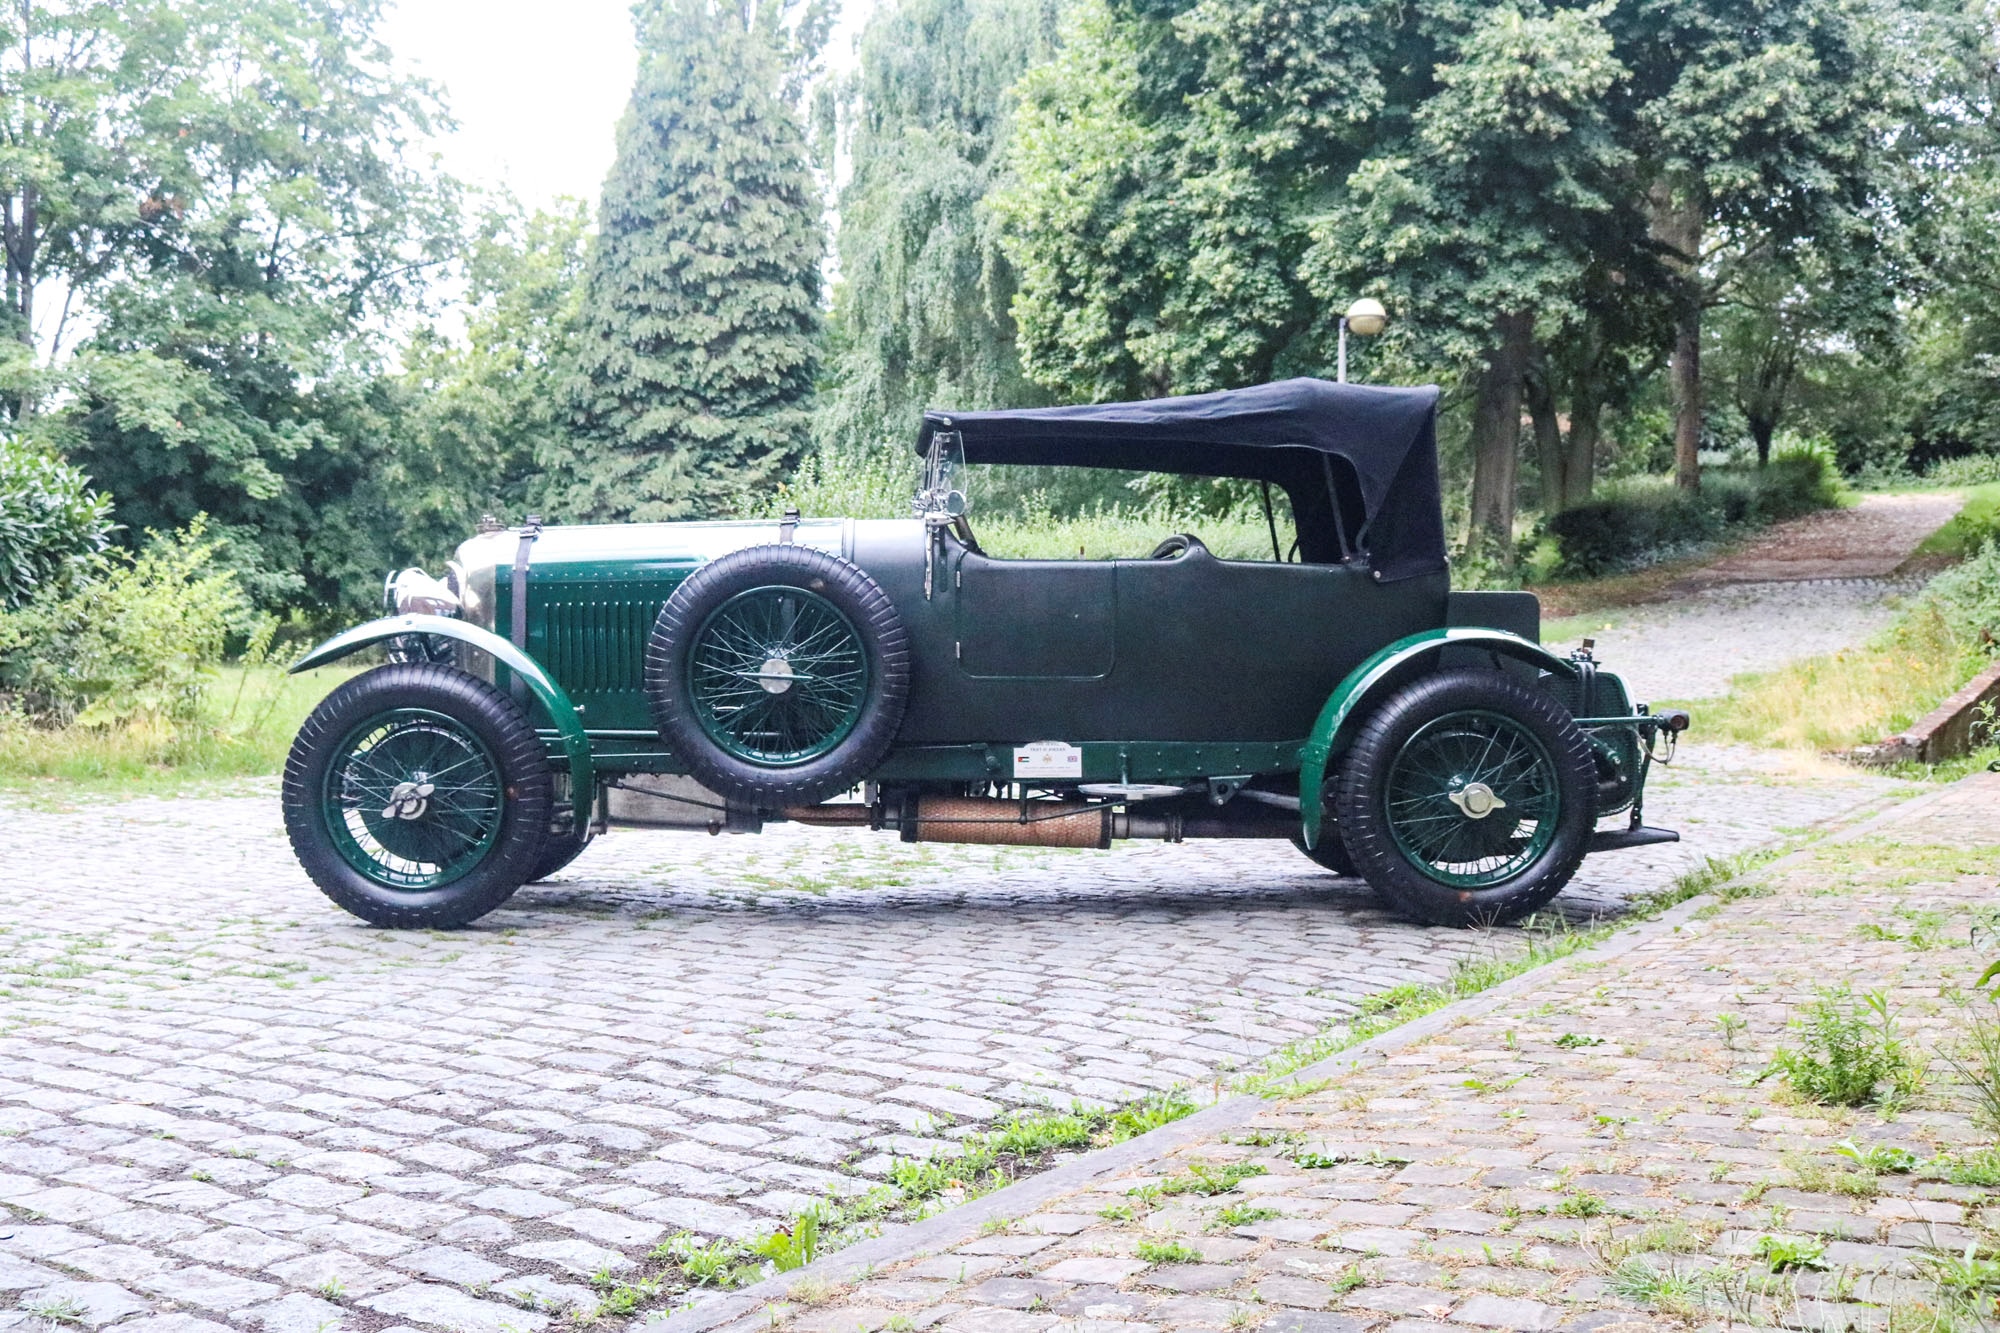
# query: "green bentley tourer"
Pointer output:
{"type": "Point", "coordinates": [890, 676]}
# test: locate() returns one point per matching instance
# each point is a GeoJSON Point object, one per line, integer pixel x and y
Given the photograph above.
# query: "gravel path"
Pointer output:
{"type": "Point", "coordinates": [1817, 585]}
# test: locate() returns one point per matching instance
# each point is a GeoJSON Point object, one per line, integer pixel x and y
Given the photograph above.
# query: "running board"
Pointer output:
{"type": "Point", "coordinates": [1612, 840]}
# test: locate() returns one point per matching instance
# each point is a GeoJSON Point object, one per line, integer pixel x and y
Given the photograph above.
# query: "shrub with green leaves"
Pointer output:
{"type": "Point", "coordinates": [1848, 1050]}
{"type": "Point", "coordinates": [51, 522]}
{"type": "Point", "coordinates": [1640, 521]}
{"type": "Point", "coordinates": [132, 636]}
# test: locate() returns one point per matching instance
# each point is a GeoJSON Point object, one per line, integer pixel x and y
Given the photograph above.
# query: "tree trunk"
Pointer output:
{"type": "Point", "coordinates": [1762, 428]}
{"type": "Point", "coordinates": [1687, 396]}
{"type": "Point", "coordinates": [1496, 437]}
{"type": "Point", "coordinates": [1580, 469]}
{"type": "Point", "coordinates": [1549, 455]}
{"type": "Point", "coordinates": [1677, 225]}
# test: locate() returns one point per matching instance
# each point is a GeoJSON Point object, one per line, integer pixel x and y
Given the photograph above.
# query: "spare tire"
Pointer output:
{"type": "Point", "coordinates": [778, 674]}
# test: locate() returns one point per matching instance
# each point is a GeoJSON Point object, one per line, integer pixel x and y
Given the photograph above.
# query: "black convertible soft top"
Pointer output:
{"type": "Point", "coordinates": [1286, 433]}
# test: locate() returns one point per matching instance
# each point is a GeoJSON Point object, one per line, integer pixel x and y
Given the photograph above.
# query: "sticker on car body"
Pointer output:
{"type": "Point", "coordinates": [1048, 759]}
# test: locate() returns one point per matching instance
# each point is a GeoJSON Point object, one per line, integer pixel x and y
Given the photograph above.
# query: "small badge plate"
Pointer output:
{"type": "Point", "coordinates": [1048, 759]}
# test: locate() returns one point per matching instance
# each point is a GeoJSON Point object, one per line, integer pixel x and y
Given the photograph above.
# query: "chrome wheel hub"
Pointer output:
{"type": "Point", "coordinates": [409, 800]}
{"type": "Point", "coordinates": [775, 675]}
{"type": "Point", "coordinates": [1475, 800]}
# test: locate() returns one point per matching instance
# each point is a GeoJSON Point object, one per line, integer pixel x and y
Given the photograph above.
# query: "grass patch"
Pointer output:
{"type": "Point", "coordinates": [1979, 1168]}
{"type": "Point", "coordinates": [1168, 1252]}
{"type": "Point", "coordinates": [1969, 529]}
{"type": "Point", "coordinates": [1839, 700]}
{"type": "Point", "coordinates": [1243, 1215]}
{"type": "Point", "coordinates": [1029, 1143]}
{"type": "Point", "coordinates": [1208, 1181]}
{"type": "Point", "coordinates": [248, 717]}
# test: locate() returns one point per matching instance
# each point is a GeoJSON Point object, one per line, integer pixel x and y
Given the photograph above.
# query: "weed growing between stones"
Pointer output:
{"type": "Point", "coordinates": [1208, 1181]}
{"type": "Point", "coordinates": [1028, 1143]}
{"type": "Point", "coordinates": [1975, 1055]}
{"type": "Point", "coordinates": [1848, 1050]}
{"type": "Point", "coordinates": [1242, 1215]}
{"type": "Point", "coordinates": [1031, 1141]}
{"type": "Point", "coordinates": [1168, 1252]}
{"type": "Point", "coordinates": [1788, 1253]}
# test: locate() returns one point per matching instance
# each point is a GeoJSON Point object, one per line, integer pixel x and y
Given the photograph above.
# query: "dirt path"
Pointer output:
{"type": "Point", "coordinates": [1811, 586]}
{"type": "Point", "coordinates": [1868, 541]}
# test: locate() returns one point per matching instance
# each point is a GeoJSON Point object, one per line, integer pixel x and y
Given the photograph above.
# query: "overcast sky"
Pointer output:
{"type": "Point", "coordinates": [536, 87]}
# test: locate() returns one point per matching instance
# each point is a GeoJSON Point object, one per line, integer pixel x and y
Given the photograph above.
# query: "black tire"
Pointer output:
{"type": "Point", "coordinates": [515, 823]}
{"type": "Point", "coordinates": [557, 852]}
{"type": "Point", "coordinates": [880, 699]}
{"type": "Point", "coordinates": [1564, 772]}
{"type": "Point", "coordinates": [1329, 855]}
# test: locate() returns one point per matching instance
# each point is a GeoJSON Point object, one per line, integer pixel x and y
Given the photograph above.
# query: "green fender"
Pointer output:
{"type": "Point", "coordinates": [1352, 699]}
{"type": "Point", "coordinates": [553, 698]}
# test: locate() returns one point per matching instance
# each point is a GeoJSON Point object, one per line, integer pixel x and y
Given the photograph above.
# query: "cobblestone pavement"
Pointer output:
{"type": "Point", "coordinates": [1594, 1153]}
{"type": "Point", "coordinates": [225, 1102]}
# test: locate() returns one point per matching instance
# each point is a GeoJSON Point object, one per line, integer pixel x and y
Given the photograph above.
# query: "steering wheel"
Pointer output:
{"type": "Point", "coordinates": [1177, 546]}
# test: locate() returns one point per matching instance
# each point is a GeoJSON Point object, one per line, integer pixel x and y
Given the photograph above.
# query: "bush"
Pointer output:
{"type": "Point", "coordinates": [1649, 519]}
{"type": "Point", "coordinates": [51, 522]}
{"type": "Point", "coordinates": [1967, 470]}
{"type": "Point", "coordinates": [1967, 597]}
{"type": "Point", "coordinates": [132, 636]}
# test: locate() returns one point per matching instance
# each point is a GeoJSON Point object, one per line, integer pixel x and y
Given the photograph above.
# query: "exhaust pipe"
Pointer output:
{"type": "Point", "coordinates": [992, 821]}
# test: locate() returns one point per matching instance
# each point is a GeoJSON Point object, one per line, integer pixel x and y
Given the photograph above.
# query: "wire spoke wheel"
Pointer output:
{"type": "Point", "coordinates": [777, 675]}
{"type": "Point", "coordinates": [413, 799]}
{"type": "Point", "coordinates": [1472, 798]}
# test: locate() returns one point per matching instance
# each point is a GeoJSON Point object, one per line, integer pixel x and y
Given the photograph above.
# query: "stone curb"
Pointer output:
{"type": "Point", "coordinates": [937, 1234]}
{"type": "Point", "coordinates": [962, 1223]}
{"type": "Point", "coordinates": [1943, 733]}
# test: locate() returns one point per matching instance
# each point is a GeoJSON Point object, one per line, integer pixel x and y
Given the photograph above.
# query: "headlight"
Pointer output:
{"type": "Point", "coordinates": [416, 593]}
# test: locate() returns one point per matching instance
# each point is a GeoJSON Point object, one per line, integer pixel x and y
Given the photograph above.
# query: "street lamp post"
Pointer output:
{"type": "Point", "coordinates": [1367, 318]}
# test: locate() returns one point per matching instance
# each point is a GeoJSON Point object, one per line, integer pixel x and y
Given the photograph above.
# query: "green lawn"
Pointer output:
{"type": "Point", "coordinates": [247, 721]}
{"type": "Point", "coordinates": [1971, 528]}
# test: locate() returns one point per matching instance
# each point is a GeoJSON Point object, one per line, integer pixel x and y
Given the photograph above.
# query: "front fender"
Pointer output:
{"type": "Point", "coordinates": [1374, 679]}
{"type": "Point", "coordinates": [553, 698]}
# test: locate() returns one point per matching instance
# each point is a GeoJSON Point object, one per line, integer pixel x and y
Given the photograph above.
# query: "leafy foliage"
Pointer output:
{"type": "Point", "coordinates": [229, 191]}
{"type": "Point", "coordinates": [921, 315]}
{"type": "Point", "coordinates": [140, 638]}
{"type": "Point", "coordinates": [51, 522]}
{"type": "Point", "coordinates": [700, 313]}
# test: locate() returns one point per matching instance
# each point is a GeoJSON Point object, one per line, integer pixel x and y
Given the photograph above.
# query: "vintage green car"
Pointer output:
{"type": "Point", "coordinates": [887, 674]}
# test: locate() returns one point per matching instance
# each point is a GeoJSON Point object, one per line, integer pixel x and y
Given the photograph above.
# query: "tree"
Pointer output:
{"type": "Point", "coordinates": [264, 221]}
{"type": "Point", "coordinates": [491, 411]}
{"type": "Point", "coordinates": [1753, 129]}
{"type": "Point", "coordinates": [921, 314]}
{"type": "Point", "coordinates": [1480, 220]}
{"type": "Point", "coordinates": [1169, 161]}
{"type": "Point", "coordinates": [701, 317]}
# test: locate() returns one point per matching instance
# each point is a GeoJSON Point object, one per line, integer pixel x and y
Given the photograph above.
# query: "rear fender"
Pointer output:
{"type": "Point", "coordinates": [553, 698]}
{"type": "Point", "coordinates": [1380, 676]}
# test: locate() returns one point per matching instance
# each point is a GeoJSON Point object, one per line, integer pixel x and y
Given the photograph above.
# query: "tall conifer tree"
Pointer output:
{"type": "Point", "coordinates": [701, 306]}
